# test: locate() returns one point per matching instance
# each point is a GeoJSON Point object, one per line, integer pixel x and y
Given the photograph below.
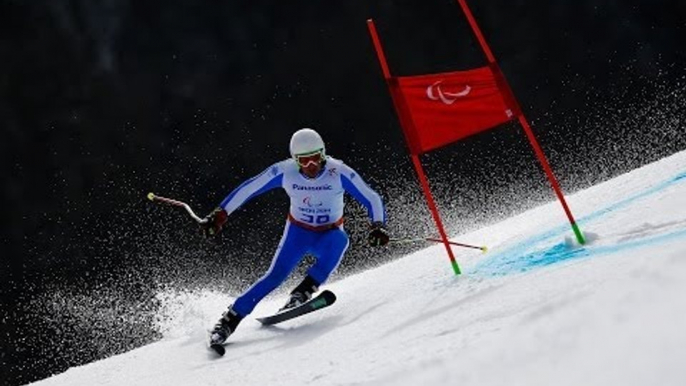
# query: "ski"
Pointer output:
{"type": "Point", "coordinates": [323, 300]}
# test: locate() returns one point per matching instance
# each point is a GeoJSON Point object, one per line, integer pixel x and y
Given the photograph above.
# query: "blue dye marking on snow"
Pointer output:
{"type": "Point", "coordinates": [562, 252]}
{"type": "Point", "coordinates": [680, 176]}
{"type": "Point", "coordinates": [536, 251]}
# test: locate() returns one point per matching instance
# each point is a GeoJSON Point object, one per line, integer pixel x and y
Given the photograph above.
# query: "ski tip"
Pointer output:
{"type": "Point", "coordinates": [329, 296]}
{"type": "Point", "coordinates": [219, 349]}
{"type": "Point", "coordinates": [151, 196]}
{"type": "Point", "coordinates": [484, 249]}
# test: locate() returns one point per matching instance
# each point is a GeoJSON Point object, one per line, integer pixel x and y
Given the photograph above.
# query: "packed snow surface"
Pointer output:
{"type": "Point", "coordinates": [537, 309]}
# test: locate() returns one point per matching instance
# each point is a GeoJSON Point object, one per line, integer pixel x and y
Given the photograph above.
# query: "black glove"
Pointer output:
{"type": "Point", "coordinates": [214, 222]}
{"type": "Point", "coordinates": [378, 236]}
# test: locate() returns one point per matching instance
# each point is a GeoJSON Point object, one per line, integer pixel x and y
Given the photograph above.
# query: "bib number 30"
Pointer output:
{"type": "Point", "coordinates": [311, 219]}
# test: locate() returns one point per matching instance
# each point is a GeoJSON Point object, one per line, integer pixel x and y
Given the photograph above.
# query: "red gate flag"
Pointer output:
{"type": "Point", "coordinates": [446, 107]}
{"type": "Point", "coordinates": [439, 109]}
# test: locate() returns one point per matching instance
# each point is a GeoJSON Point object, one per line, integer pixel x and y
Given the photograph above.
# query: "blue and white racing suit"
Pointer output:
{"type": "Point", "coordinates": [314, 223]}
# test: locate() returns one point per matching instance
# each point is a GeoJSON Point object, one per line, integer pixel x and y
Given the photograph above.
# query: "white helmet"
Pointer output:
{"type": "Point", "coordinates": [305, 141]}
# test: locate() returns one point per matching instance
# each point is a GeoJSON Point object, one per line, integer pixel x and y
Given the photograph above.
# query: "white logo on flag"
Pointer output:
{"type": "Point", "coordinates": [435, 93]}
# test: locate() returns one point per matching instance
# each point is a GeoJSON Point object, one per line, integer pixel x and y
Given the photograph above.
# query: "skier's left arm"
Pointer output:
{"type": "Point", "coordinates": [371, 200]}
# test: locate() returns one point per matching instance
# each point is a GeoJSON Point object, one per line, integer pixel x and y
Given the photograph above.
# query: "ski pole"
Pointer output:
{"type": "Point", "coordinates": [155, 198]}
{"type": "Point", "coordinates": [411, 240]}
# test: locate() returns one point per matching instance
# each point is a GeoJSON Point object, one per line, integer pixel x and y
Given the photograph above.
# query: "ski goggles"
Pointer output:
{"type": "Point", "coordinates": [304, 160]}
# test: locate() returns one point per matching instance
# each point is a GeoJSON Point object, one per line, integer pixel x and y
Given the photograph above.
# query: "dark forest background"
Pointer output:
{"type": "Point", "coordinates": [102, 102]}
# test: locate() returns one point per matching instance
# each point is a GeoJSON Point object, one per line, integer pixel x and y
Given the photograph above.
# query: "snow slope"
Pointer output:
{"type": "Point", "coordinates": [535, 310]}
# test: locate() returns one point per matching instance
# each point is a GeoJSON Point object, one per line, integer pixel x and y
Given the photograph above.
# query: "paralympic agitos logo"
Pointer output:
{"type": "Point", "coordinates": [312, 204]}
{"type": "Point", "coordinates": [434, 92]}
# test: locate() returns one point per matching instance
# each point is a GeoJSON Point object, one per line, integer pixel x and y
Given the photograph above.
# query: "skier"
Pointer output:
{"type": "Point", "coordinates": [315, 184]}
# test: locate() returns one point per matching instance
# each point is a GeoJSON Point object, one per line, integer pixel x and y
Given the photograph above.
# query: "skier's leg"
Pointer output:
{"type": "Point", "coordinates": [328, 248]}
{"type": "Point", "coordinates": [288, 254]}
{"type": "Point", "coordinates": [329, 251]}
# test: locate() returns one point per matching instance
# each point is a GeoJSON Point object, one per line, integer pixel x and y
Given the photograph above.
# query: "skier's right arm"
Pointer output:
{"type": "Point", "coordinates": [269, 179]}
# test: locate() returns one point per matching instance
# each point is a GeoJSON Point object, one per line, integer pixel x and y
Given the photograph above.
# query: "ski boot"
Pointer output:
{"type": "Point", "coordinates": [301, 294]}
{"type": "Point", "coordinates": [223, 329]}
